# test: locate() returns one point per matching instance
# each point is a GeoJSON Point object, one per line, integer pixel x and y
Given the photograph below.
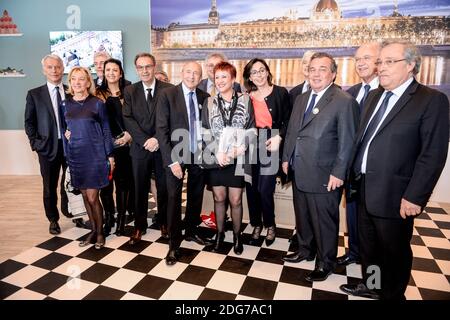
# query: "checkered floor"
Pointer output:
{"type": "Point", "coordinates": [60, 269]}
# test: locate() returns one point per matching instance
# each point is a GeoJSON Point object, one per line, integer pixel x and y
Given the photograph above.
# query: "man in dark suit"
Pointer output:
{"type": "Point", "coordinates": [318, 148]}
{"type": "Point", "coordinates": [207, 84]}
{"type": "Point", "coordinates": [400, 151]}
{"type": "Point", "coordinates": [304, 86]}
{"type": "Point", "coordinates": [178, 132]}
{"type": "Point", "coordinates": [365, 58]}
{"type": "Point", "coordinates": [139, 114]}
{"type": "Point", "coordinates": [42, 129]}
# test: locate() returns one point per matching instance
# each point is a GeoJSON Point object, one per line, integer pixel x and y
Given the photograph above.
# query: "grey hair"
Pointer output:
{"type": "Point", "coordinates": [216, 55]}
{"type": "Point", "coordinates": [308, 54]}
{"type": "Point", "coordinates": [412, 53]}
{"type": "Point", "coordinates": [333, 64]}
{"type": "Point", "coordinates": [52, 56]}
{"type": "Point", "coordinates": [102, 54]}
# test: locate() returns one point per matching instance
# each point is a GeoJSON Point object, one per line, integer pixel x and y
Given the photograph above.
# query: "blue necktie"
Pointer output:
{"type": "Point", "coordinates": [370, 131]}
{"type": "Point", "coordinates": [310, 107]}
{"type": "Point", "coordinates": [192, 135]}
{"type": "Point", "coordinates": [366, 93]}
{"type": "Point", "coordinates": [58, 96]}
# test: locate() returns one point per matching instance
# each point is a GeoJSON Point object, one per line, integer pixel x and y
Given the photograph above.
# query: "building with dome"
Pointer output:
{"type": "Point", "coordinates": [324, 27]}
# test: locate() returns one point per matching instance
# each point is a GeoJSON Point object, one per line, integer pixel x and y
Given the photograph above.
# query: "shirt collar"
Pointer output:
{"type": "Point", "coordinates": [52, 87]}
{"type": "Point", "coordinates": [373, 84]}
{"type": "Point", "coordinates": [186, 90]}
{"type": "Point", "coordinates": [152, 86]}
{"type": "Point", "coordinates": [402, 88]}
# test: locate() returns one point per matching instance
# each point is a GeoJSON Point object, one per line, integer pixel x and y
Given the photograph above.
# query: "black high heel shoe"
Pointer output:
{"type": "Point", "coordinates": [255, 234]}
{"type": "Point", "coordinates": [218, 243]}
{"type": "Point", "coordinates": [237, 244]}
{"type": "Point", "coordinates": [271, 234]}
{"type": "Point", "coordinates": [89, 239]}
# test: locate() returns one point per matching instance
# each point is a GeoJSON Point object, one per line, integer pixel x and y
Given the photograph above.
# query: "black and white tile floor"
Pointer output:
{"type": "Point", "coordinates": [60, 269]}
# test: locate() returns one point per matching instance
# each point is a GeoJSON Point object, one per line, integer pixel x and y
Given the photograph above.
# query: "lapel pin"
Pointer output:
{"type": "Point", "coordinates": [315, 111]}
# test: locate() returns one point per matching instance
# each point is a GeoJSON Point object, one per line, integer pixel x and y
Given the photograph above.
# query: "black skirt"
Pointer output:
{"type": "Point", "coordinates": [225, 176]}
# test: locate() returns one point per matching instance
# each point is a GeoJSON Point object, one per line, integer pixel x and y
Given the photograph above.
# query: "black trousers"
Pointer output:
{"type": "Point", "coordinates": [142, 173]}
{"type": "Point", "coordinates": [261, 205]}
{"type": "Point", "coordinates": [195, 188]}
{"type": "Point", "coordinates": [317, 223]}
{"type": "Point", "coordinates": [50, 171]}
{"type": "Point", "coordinates": [385, 243]}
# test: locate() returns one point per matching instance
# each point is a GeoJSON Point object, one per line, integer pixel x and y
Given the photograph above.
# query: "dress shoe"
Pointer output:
{"type": "Point", "coordinates": [359, 290]}
{"type": "Point", "coordinates": [346, 260]}
{"type": "Point", "coordinates": [67, 214]}
{"type": "Point", "coordinates": [271, 234]}
{"type": "Point", "coordinates": [54, 228]}
{"type": "Point", "coordinates": [298, 257]}
{"type": "Point", "coordinates": [136, 236]}
{"type": "Point", "coordinates": [255, 234]}
{"type": "Point", "coordinates": [194, 237]}
{"type": "Point", "coordinates": [172, 257]}
{"type": "Point", "coordinates": [90, 239]}
{"type": "Point", "coordinates": [318, 274]}
{"type": "Point", "coordinates": [164, 231]}
{"type": "Point", "coordinates": [79, 223]}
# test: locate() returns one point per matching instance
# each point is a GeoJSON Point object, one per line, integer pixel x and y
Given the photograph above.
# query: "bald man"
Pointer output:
{"type": "Point", "coordinates": [178, 133]}
{"type": "Point", "coordinates": [365, 58]}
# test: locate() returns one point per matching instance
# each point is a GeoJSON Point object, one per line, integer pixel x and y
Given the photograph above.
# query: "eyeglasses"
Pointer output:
{"type": "Point", "coordinates": [261, 71]}
{"type": "Point", "coordinates": [389, 62]}
{"type": "Point", "coordinates": [147, 67]}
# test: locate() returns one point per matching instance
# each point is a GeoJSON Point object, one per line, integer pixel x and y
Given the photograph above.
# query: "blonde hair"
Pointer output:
{"type": "Point", "coordinates": [91, 88]}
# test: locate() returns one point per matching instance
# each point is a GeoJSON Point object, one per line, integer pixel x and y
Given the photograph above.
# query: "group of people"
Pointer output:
{"type": "Point", "coordinates": [384, 142]}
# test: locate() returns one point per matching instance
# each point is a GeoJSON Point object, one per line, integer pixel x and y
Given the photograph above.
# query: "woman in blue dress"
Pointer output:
{"type": "Point", "coordinates": [88, 147]}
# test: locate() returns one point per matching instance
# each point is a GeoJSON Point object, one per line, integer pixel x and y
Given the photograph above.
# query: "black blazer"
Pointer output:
{"type": "Point", "coordinates": [294, 93]}
{"type": "Point", "coordinates": [278, 104]}
{"type": "Point", "coordinates": [40, 122]}
{"type": "Point", "coordinates": [322, 146]}
{"type": "Point", "coordinates": [354, 90]}
{"type": "Point", "coordinates": [408, 153]}
{"type": "Point", "coordinates": [171, 114]}
{"type": "Point", "coordinates": [139, 120]}
{"type": "Point", "coordinates": [204, 83]}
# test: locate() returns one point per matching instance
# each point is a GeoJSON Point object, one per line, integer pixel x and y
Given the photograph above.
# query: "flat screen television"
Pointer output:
{"type": "Point", "coordinates": [77, 48]}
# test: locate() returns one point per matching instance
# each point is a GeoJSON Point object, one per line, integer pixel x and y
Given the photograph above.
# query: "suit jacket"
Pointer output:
{"type": "Point", "coordinates": [204, 83]}
{"type": "Point", "coordinates": [171, 114]}
{"type": "Point", "coordinates": [354, 90]}
{"type": "Point", "coordinates": [138, 118]}
{"type": "Point", "coordinates": [322, 145]}
{"type": "Point", "coordinates": [408, 153]}
{"type": "Point", "coordinates": [40, 122]}
{"type": "Point", "coordinates": [294, 93]}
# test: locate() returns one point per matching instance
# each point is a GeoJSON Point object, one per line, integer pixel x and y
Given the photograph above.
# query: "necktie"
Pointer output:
{"type": "Point", "coordinates": [370, 131]}
{"type": "Point", "coordinates": [310, 107]}
{"type": "Point", "coordinates": [149, 98]}
{"type": "Point", "coordinates": [58, 102]}
{"type": "Point", "coordinates": [58, 96]}
{"type": "Point", "coordinates": [366, 92]}
{"type": "Point", "coordinates": [192, 135]}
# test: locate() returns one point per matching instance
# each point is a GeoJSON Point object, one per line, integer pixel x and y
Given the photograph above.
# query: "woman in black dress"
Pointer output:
{"type": "Point", "coordinates": [87, 147]}
{"type": "Point", "coordinates": [227, 121]}
{"type": "Point", "coordinates": [111, 91]}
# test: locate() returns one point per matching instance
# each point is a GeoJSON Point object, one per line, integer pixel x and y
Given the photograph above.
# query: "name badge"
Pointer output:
{"type": "Point", "coordinates": [315, 111]}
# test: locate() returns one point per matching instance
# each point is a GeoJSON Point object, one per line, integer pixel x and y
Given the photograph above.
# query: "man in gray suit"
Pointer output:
{"type": "Point", "coordinates": [318, 148]}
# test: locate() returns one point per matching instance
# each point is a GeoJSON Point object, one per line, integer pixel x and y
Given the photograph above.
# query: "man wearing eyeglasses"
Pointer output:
{"type": "Point", "coordinates": [400, 151]}
{"type": "Point", "coordinates": [317, 148]}
{"type": "Point", "coordinates": [139, 112]}
{"type": "Point", "coordinates": [207, 84]}
{"type": "Point", "coordinates": [365, 58]}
